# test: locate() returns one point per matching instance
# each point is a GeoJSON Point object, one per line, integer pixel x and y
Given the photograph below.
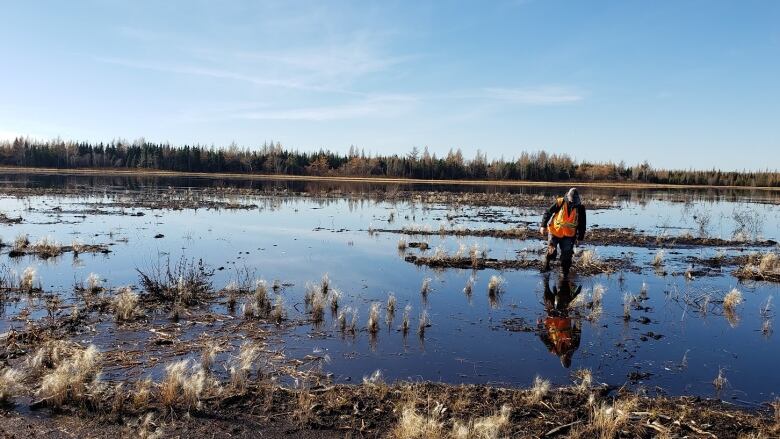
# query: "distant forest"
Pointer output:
{"type": "Point", "coordinates": [272, 158]}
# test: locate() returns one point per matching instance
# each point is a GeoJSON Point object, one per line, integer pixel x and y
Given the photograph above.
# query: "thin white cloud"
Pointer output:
{"type": "Point", "coordinates": [388, 106]}
{"type": "Point", "coordinates": [543, 95]}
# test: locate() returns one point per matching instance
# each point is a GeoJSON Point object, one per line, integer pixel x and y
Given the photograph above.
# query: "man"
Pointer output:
{"type": "Point", "coordinates": [564, 225]}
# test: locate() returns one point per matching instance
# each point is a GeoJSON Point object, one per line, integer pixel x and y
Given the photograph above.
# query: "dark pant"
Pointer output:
{"type": "Point", "coordinates": [567, 251]}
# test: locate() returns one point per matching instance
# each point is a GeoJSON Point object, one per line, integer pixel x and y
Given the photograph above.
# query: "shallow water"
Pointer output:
{"type": "Point", "coordinates": [296, 239]}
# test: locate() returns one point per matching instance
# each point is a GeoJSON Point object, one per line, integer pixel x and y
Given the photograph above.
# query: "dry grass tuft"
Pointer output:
{"type": "Point", "coordinates": [405, 321]}
{"type": "Point", "coordinates": [72, 379]}
{"type": "Point", "coordinates": [720, 381]}
{"type": "Point", "coordinates": [373, 318]}
{"type": "Point", "coordinates": [142, 393]}
{"type": "Point", "coordinates": [426, 286]}
{"type": "Point", "coordinates": [335, 296]}
{"type": "Point", "coordinates": [488, 427]}
{"type": "Point", "coordinates": [183, 383]}
{"type": "Point", "coordinates": [94, 283]}
{"type": "Point", "coordinates": [539, 390]}
{"type": "Point", "coordinates": [241, 366]}
{"type": "Point", "coordinates": [495, 285]}
{"type": "Point", "coordinates": [390, 309]}
{"type": "Point", "coordinates": [10, 384]}
{"type": "Point", "coordinates": [469, 288]}
{"type": "Point", "coordinates": [423, 323]}
{"type": "Point", "coordinates": [413, 425]}
{"type": "Point", "coordinates": [402, 244]}
{"type": "Point", "coordinates": [585, 380]}
{"type": "Point", "coordinates": [125, 305]}
{"type": "Point", "coordinates": [28, 280]}
{"type": "Point", "coordinates": [21, 242]}
{"type": "Point", "coordinates": [730, 302]}
{"type": "Point", "coordinates": [658, 259]}
{"type": "Point", "coordinates": [47, 247]}
{"type": "Point", "coordinates": [262, 301]}
{"type": "Point", "coordinates": [607, 420]}
{"type": "Point", "coordinates": [277, 313]}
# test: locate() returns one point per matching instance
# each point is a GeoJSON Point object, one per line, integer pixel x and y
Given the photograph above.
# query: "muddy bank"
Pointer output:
{"type": "Point", "coordinates": [408, 410]}
{"type": "Point", "coordinates": [582, 267]}
{"type": "Point", "coordinates": [596, 236]}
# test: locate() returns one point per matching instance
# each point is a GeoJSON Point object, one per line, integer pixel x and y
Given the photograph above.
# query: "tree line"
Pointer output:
{"type": "Point", "coordinates": [272, 158]}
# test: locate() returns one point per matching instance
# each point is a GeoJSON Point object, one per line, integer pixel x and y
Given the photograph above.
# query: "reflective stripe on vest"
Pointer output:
{"type": "Point", "coordinates": [565, 222]}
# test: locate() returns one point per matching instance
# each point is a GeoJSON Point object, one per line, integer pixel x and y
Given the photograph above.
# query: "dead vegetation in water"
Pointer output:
{"type": "Point", "coordinates": [760, 267]}
{"type": "Point", "coordinates": [187, 282]}
{"type": "Point", "coordinates": [46, 247]}
{"type": "Point", "coordinates": [594, 236]}
{"type": "Point", "coordinates": [588, 266]}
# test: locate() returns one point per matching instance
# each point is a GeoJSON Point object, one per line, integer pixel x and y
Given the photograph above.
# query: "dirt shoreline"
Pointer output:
{"type": "Point", "coordinates": [377, 409]}
{"type": "Point", "coordinates": [159, 173]}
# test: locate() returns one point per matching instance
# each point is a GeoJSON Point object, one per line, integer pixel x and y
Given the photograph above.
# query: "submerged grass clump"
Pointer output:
{"type": "Point", "coordinates": [186, 282]}
{"type": "Point", "coordinates": [425, 288]}
{"type": "Point", "coordinates": [764, 267]}
{"type": "Point", "coordinates": [125, 305]}
{"type": "Point", "coordinates": [658, 259]}
{"type": "Point", "coordinates": [27, 282]}
{"type": "Point", "coordinates": [423, 323]}
{"type": "Point", "coordinates": [495, 285]}
{"type": "Point", "coordinates": [373, 318]}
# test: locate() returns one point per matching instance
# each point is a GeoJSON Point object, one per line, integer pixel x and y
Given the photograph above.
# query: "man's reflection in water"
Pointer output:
{"type": "Point", "coordinates": [560, 329]}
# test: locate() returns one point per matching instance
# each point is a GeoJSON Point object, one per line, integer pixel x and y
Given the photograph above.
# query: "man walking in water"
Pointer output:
{"type": "Point", "coordinates": [563, 224]}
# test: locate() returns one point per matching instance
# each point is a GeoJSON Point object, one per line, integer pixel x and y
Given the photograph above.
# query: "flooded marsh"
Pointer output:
{"type": "Point", "coordinates": [198, 284]}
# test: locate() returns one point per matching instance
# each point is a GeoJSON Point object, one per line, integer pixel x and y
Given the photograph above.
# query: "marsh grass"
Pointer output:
{"type": "Point", "coordinates": [487, 427]}
{"type": "Point", "coordinates": [720, 381]}
{"type": "Point", "coordinates": [390, 308]}
{"type": "Point", "coordinates": [142, 393]}
{"type": "Point", "coordinates": [412, 425]}
{"type": "Point", "coordinates": [10, 384]}
{"type": "Point", "coordinates": [125, 305]}
{"type": "Point", "coordinates": [373, 318]}
{"type": "Point", "coordinates": [405, 320]}
{"type": "Point", "coordinates": [764, 267]}
{"type": "Point", "coordinates": [584, 378]}
{"type": "Point", "coordinates": [46, 247]}
{"type": "Point", "coordinates": [425, 288]}
{"type": "Point", "coordinates": [468, 289]}
{"type": "Point", "coordinates": [494, 289]}
{"type": "Point", "coordinates": [423, 323]}
{"type": "Point", "coordinates": [607, 420]}
{"type": "Point", "coordinates": [538, 390]}
{"type": "Point", "coordinates": [241, 366]}
{"type": "Point", "coordinates": [187, 282]}
{"type": "Point", "coordinates": [94, 283]}
{"type": "Point", "coordinates": [29, 279]}
{"type": "Point", "coordinates": [731, 300]}
{"type": "Point", "coordinates": [277, 313]}
{"type": "Point", "coordinates": [72, 378]}
{"type": "Point", "coordinates": [658, 259]}
{"type": "Point", "coordinates": [21, 242]}
{"type": "Point", "coordinates": [183, 384]}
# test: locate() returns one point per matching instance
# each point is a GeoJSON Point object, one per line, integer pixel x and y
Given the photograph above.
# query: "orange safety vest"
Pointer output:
{"type": "Point", "coordinates": [564, 223]}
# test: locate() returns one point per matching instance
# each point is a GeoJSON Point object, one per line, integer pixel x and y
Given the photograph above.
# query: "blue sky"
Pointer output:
{"type": "Point", "coordinates": [679, 83]}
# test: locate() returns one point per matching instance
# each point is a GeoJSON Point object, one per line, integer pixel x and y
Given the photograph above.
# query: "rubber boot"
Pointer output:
{"type": "Point", "coordinates": [546, 265]}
